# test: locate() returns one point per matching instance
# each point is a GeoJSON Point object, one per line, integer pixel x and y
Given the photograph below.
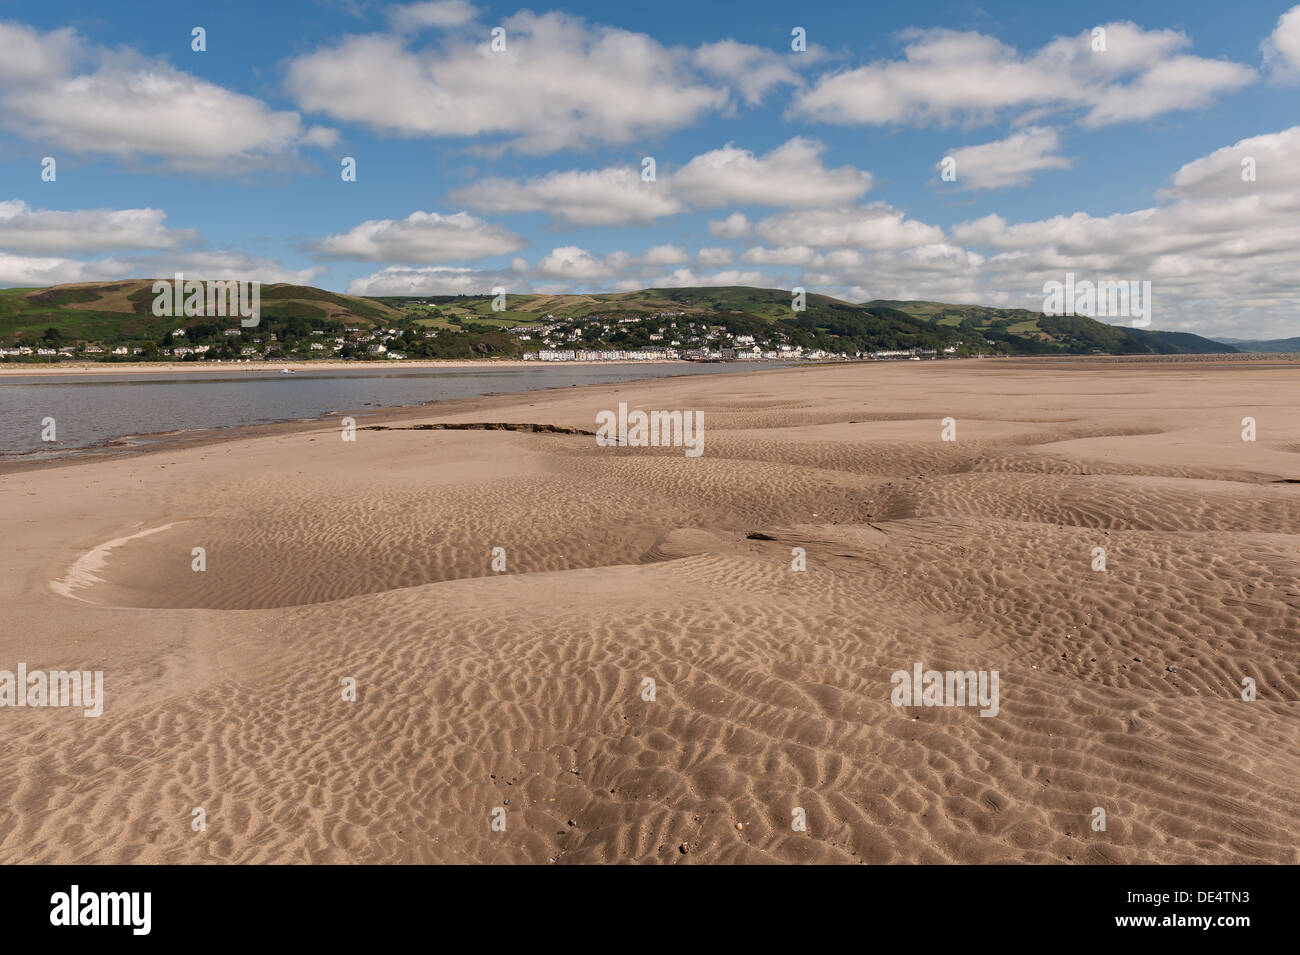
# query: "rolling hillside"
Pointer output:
{"type": "Point", "coordinates": [1046, 334]}
{"type": "Point", "coordinates": [1270, 345]}
{"type": "Point", "coordinates": [121, 312]}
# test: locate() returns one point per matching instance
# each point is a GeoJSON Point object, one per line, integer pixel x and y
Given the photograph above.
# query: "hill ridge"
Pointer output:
{"type": "Point", "coordinates": [118, 313]}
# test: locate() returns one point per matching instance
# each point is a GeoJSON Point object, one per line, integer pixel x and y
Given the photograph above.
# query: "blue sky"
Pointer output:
{"type": "Point", "coordinates": [521, 168]}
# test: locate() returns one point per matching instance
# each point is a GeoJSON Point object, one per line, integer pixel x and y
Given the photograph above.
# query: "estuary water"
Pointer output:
{"type": "Point", "coordinates": [90, 410]}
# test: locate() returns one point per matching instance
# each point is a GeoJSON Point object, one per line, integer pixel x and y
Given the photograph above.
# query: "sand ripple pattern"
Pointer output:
{"type": "Point", "coordinates": [523, 690]}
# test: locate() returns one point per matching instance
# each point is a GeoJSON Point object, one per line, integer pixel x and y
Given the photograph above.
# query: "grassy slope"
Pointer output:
{"type": "Point", "coordinates": [113, 311]}
{"type": "Point", "coordinates": [1071, 333]}
{"type": "Point", "coordinates": [121, 310]}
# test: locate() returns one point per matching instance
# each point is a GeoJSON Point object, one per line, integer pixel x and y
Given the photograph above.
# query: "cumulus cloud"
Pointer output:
{"type": "Point", "coordinates": [223, 265]}
{"type": "Point", "coordinates": [948, 76]}
{"type": "Point", "coordinates": [422, 238]}
{"type": "Point", "coordinates": [129, 107]}
{"type": "Point", "coordinates": [665, 255]}
{"type": "Point", "coordinates": [437, 14]}
{"type": "Point", "coordinates": [735, 226]}
{"type": "Point", "coordinates": [43, 231]}
{"type": "Point", "coordinates": [688, 278]}
{"type": "Point", "coordinates": [782, 255]}
{"type": "Point", "coordinates": [560, 84]}
{"type": "Point", "coordinates": [1259, 164]}
{"type": "Point", "coordinates": [29, 56]}
{"type": "Point", "coordinates": [1223, 254]}
{"type": "Point", "coordinates": [1221, 248]}
{"type": "Point", "coordinates": [565, 268]}
{"type": "Point", "coordinates": [792, 174]}
{"type": "Point", "coordinates": [713, 256]}
{"type": "Point", "coordinates": [18, 271]}
{"type": "Point", "coordinates": [875, 225]}
{"type": "Point", "coordinates": [940, 271]}
{"type": "Point", "coordinates": [1282, 48]}
{"type": "Point", "coordinates": [608, 196]}
{"type": "Point", "coordinates": [751, 69]}
{"type": "Point", "coordinates": [1007, 162]}
{"type": "Point", "coordinates": [435, 280]}
{"type": "Point", "coordinates": [575, 264]}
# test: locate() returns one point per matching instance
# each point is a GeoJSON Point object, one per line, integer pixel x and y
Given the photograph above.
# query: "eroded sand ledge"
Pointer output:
{"type": "Point", "coordinates": [371, 560]}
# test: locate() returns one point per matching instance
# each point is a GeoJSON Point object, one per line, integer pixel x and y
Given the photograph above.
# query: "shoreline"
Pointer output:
{"type": "Point", "coordinates": [273, 367]}
{"type": "Point", "coordinates": [121, 446]}
{"type": "Point", "coordinates": [34, 370]}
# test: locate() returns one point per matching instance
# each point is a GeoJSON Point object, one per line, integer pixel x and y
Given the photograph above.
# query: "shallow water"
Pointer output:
{"type": "Point", "coordinates": [91, 409]}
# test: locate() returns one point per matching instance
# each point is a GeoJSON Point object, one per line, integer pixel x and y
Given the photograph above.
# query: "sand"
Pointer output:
{"type": "Point", "coordinates": [523, 690]}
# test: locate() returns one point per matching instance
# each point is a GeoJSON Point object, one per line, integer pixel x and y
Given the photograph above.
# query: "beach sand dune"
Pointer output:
{"type": "Point", "coordinates": [521, 694]}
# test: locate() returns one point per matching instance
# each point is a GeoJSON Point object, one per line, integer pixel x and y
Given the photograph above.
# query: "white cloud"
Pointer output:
{"type": "Point", "coordinates": [19, 271]}
{"type": "Point", "coordinates": [560, 84]}
{"type": "Point", "coordinates": [1220, 174]}
{"type": "Point", "coordinates": [1222, 255]}
{"type": "Point", "coordinates": [575, 264]}
{"type": "Point", "coordinates": [751, 69]}
{"type": "Point", "coordinates": [434, 280]}
{"type": "Point", "coordinates": [784, 255]}
{"type": "Point", "coordinates": [735, 226]}
{"type": "Point", "coordinates": [664, 255]}
{"type": "Point", "coordinates": [129, 107]}
{"type": "Point", "coordinates": [790, 175]}
{"type": "Point", "coordinates": [422, 238]}
{"type": "Point", "coordinates": [1182, 82]}
{"type": "Point", "coordinates": [875, 225]}
{"type": "Point", "coordinates": [44, 231]}
{"type": "Point", "coordinates": [714, 256]}
{"type": "Point", "coordinates": [437, 14]}
{"type": "Point", "coordinates": [947, 76]}
{"type": "Point", "coordinates": [1008, 162]}
{"type": "Point", "coordinates": [569, 268]}
{"type": "Point", "coordinates": [687, 278]}
{"type": "Point", "coordinates": [221, 264]}
{"type": "Point", "coordinates": [1282, 48]}
{"type": "Point", "coordinates": [608, 196]}
{"type": "Point", "coordinates": [1222, 252]}
{"type": "Point", "coordinates": [939, 271]}
{"type": "Point", "coordinates": [28, 56]}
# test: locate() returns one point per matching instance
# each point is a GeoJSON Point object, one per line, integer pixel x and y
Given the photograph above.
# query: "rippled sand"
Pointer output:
{"type": "Point", "coordinates": [371, 560]}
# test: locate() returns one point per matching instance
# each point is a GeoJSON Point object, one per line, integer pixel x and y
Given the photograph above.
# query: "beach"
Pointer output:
{"type": "Point", "coordinates": [504, 642]}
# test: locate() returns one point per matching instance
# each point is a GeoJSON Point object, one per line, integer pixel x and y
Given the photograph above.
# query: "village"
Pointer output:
{"type": "Point", "coordinates": [657, 337]}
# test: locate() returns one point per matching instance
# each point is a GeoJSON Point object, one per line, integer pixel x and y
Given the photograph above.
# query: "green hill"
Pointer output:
{"type": "Point", "coordinates": [1037, 333]}
{"type": "Point", "coordinates": [120, 312]}
{"type": "Point", "coordinates": [1269, 345]}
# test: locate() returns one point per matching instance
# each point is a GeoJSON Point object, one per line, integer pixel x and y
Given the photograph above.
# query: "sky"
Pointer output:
{"type": "Point", "coordinates": [609, 147]}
